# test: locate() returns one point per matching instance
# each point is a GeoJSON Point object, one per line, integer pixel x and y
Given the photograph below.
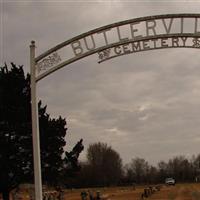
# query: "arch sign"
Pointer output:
{"type": "Point", "coordinates": [110, 41]}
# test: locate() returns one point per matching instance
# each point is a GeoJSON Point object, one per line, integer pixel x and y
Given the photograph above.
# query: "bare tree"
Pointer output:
{"type": "Point", "coordinates": [140, 168]}
{"type": "Point", "coordinates": [105, 164]}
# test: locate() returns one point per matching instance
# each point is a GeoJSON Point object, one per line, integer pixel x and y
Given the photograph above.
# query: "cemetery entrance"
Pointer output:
{"type": "Point", "coordinates": [110, 41]}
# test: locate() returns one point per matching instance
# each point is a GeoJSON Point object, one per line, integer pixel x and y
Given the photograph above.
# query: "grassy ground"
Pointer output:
{"type": "Point", "coordinates": [178, 192]}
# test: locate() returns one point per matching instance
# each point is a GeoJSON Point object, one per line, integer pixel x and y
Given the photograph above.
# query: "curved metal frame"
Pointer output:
{"type": "Point", "coordinates": [72, 60]}
{"type": "Point", "coordinates": [103, 28]}
{"type": "Point", "coordinates": [155, 48]}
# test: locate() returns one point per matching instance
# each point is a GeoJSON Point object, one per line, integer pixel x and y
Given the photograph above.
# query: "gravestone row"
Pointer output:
{"type": "Point", "coordinates": [47, 195]}
{"type": "Point", "coordinates": [149, 191]}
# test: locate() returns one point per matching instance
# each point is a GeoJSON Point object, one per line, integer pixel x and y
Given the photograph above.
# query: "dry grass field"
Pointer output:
{"type": "Point", "coordinates": [178, 192]}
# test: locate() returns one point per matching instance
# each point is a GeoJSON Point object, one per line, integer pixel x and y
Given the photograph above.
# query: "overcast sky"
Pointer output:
{"type": "Point", "coordinates": [144, 105]}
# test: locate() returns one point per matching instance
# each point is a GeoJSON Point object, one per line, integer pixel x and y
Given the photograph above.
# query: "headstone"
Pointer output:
{"type": "Point", "coordinates": [146, 194]}
{"type": "Point", "coordinates": [91, 196]}
{"type": "Point", "coordinates": [98, 197]}
{"type": "Point", "coordinates": [83, 195]}
{"type": "Point", "coordinates": [61, 195]}
{"type": "Point", "coordinates": [15, 194]}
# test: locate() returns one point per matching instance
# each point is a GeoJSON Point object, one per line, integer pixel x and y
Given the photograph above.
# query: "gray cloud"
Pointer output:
{"type": "Point", "coordinates": [144, 104]}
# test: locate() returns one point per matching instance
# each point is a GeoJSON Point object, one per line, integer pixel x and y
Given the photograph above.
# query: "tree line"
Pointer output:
{"type": "Point", "coordinates": [104, 167]}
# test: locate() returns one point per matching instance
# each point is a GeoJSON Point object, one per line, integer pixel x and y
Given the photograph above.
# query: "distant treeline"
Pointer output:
{"type": "Point", "coordinates": [104, 168]}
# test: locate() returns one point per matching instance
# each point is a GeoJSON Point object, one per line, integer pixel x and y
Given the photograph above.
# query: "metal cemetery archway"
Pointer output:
{"type": "Point", "coordinates": [117, 39]}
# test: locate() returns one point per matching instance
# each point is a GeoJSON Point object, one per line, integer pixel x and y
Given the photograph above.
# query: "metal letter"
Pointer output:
{"type": "Point", "coordinates": [150, 27]}
{"type": "Point", "coordinates": [154, 42]}
{"type": "Point", "coordinates": [168, 29]}
{"type": "Point", "coordinates": [77, 49]}
{"type": "Point", "coordinates": [134, 30]}
{"type": "Point", "coordinates": [195, 26]}
{"type": "Point", "coordinates": [182, 20]}
{"type": "Point", "coordinates": [184, 40]}
{"type": "Point", "coordinates": [163, 42]}
{"type": "Point", "coordinates": [119, 35]}
{"type": "Point", "coordinates": [125, 48]}
{"type": "Point", "coordinates": [93, 43]}
{"type": "Point", "coordinates": [175, 41]}
{"type": "Point", "coordinates": [104, 34]}
{"type": "Point", "coordinates": [117, 50]}
{"type": "Point", "coordinates": [136, 46]}
{"type": "Point", "coordinates": [145, 44]}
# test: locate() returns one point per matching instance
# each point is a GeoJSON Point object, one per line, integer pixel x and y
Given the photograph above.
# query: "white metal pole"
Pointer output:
{"type": "Point", "coordinates": [35, 127]}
